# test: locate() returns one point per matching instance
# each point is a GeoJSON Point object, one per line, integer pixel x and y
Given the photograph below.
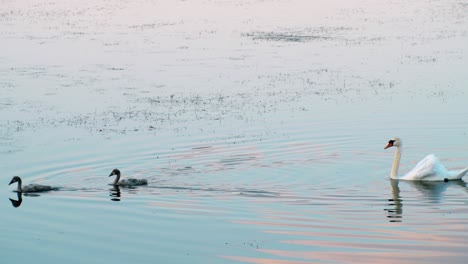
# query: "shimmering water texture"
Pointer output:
{"type": "Point", "coordinates": [260, 128]}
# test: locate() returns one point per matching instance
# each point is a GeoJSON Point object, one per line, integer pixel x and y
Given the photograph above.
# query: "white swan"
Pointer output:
{"type": "Point", "coordinates": [428, 169]}
{"type": "Point", "coordinates": [126, 182]}
{"type": "Point", "coordinates": [32, 187]}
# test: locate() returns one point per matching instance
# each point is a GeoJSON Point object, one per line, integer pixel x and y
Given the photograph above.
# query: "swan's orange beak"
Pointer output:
{"type": "Point", "coordinates": [389, 145]}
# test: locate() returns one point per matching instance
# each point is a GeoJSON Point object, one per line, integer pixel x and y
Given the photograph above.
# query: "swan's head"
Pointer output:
{"type": "Point", "coordinates": [394, 142]}
{"type": "Point", "coordinates": [15, 179]}
{"type": "Point", "coordinates": [115, 172]}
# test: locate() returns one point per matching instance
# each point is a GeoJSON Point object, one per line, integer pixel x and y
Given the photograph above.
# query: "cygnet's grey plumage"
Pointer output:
{"type": "Point", "coordinates": [127, 182]}
{"type": "Point", "coordinates": [32, 187]}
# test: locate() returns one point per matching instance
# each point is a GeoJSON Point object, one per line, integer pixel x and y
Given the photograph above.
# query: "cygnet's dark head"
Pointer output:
{"type": "Point", "coordinates": [15, 179]}
{"type": "Point", "coordinates": [115, 172]}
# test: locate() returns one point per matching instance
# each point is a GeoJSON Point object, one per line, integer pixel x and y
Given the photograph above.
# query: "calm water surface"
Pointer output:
{"type": "Point", "coordinates": [260, 126]}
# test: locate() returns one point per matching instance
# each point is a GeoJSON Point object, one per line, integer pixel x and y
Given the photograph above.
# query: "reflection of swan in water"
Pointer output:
{"type": "Point", "coordinates": [17, 203]}
{"type": "Point", "coordinates": [127, 182]}
{"type": "Point", "coordinates": [432, 190]}
{"type": "Point", "coordinates": [428, 169]}
{"type": "Point", "coordinates": [115, 193]}
{"type": "Point", "coordinates": [32, 187]}
{"type": "Point", "coordinates": [396, 212]}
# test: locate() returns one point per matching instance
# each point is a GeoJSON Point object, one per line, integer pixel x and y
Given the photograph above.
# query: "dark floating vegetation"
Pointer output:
{"type": "Point", "coordinates": [294, 35]}
{"type": "Point", "coordinates": [256, 97]}
{"type": "Point", "coordinates": [282, 36]}
{"type": "Point", "coordinates": [334, 35]}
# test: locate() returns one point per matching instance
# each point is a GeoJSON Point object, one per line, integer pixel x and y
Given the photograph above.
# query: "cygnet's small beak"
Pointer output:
{"type": "Point", "coordinates": [111, 174]}
{"type": "Point", "coordinates": [11, 182]}
{"type": "Point", "coordinates": [389, 145]}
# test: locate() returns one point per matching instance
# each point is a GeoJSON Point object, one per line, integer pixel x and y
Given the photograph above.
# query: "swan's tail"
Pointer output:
{"type": "Point", "coordinates": [456, 175]}
{"type": "Point", "coordinates": [460, 174]}
{"type": "Point", "coordinates": [463, 173]}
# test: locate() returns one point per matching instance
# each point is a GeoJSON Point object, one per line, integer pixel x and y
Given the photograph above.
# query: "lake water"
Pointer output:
{"type": "Point", "coordinates": [260, 126]}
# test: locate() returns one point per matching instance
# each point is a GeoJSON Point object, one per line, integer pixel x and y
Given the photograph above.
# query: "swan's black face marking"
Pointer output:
{"type": "Point", "coordinates": [390, 144]}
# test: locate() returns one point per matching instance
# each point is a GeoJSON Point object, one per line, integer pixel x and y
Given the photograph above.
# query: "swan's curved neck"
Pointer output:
{"type": "Point", "coordinates": [19, 188]}
{"type": "Point", "coordinates": [396, 163]}
{"type": "Point", "coordinates": [117, 178]}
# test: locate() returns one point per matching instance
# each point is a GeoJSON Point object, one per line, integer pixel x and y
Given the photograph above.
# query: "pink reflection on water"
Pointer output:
{"type": "Point", "coordinates": [265, 260]}
{"type": "Point", "coordinates": [265, 223]}
{"type": "Point", "coordinates": [375, 245]}
{"type": "Point", "coordinates": [379, 243]}
{"type": "Point", "coordinates": [425, 236]}
{"type": "Point", "coordinates": [405, 256]}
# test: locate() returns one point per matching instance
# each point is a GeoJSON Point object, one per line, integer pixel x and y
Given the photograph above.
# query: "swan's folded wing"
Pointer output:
{"type": "Point", "coordinates": [428, 169]}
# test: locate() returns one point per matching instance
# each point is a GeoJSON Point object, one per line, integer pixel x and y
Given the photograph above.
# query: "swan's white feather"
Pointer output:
{"type": "Point", "coordinates": [427, 169]}
{"type": "Point", "coordinates": [431, 169]}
